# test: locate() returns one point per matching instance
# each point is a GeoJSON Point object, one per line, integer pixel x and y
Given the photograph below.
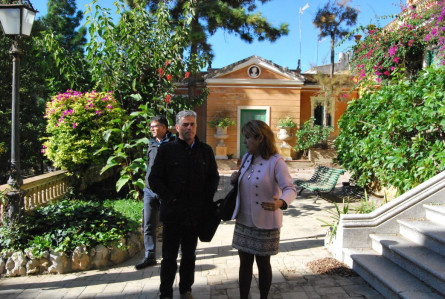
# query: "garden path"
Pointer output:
{"type": "Point", "coordinates": [217, 264]}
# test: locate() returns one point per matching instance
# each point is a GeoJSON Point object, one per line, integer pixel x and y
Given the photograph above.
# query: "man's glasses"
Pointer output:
{"type": "Point", "coordinates": [153, 127]}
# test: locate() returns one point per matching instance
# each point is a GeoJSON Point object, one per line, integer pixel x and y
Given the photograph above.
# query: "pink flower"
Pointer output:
{"type": "Point", "coordinates": [167, 99]}
{"type": "Point", "coordinates": [386, 73]}
{"type": "Point", "coordinates": [396, 59]}
{"type": "Point", "coordinates": [427, 37]}
{"type": "Point", "coordinates": [410, 43]}
{"type": "Point", "coordinates": [392, 50]}
{"type": "Point", "coordinates": [74, 125]}
{"type": "Point", "coordinates": [345, 95]}
{"type": "Point", "coordinates": [434, 32]}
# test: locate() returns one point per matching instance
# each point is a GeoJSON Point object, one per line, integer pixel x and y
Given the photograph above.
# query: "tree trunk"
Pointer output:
{"type": "Point", "coordinates": [326, 94]}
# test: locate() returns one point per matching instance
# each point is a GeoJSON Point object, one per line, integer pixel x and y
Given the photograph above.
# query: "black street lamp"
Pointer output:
{"type": "Point", "coordinates": [16, 20]}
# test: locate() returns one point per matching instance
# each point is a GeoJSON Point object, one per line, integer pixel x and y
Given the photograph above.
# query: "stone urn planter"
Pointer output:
{"type": "Point", "coordinates": [221, 147]}
{"type": "Point", "coordinates": [285, 149]}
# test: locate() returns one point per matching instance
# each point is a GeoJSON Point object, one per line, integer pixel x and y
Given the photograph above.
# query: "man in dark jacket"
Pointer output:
{"type": "Point", "coordinates": [185, 176]}
{"type": "Point", "coordinates": [160, 135]}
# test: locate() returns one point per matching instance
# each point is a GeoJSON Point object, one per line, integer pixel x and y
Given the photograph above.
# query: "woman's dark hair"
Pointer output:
{"type": "Point", "coordinates": [256, 128]}
{"type": "Point", "coordinates": [160, 119]}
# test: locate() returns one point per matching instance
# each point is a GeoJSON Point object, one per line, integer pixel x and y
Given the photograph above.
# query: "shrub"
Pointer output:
{"type": "Point", "coordinates": [386, 53]}
{"type": "Point", "coordinates": [76, 123]}
{"type": "Point", "coordinates": [395, 136]}
{"type": "Point", "coordinates": [311, 135]}
{"type": "Point", "coordinates": [65, 225]}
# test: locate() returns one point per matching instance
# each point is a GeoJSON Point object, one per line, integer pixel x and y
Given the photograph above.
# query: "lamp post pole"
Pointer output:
{"type": "Point", "coordinates": [16, 20]}
{"type": "Point", "coordinates": [14, 196]}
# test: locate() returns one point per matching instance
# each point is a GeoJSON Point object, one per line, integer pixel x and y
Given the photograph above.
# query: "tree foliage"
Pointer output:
{"type": "Point", "coordinates": [62, 20]}
{"type": "Point", "coordinates": [395, 136]}
{"type": "Point", "coordinates": [330, 20]}
{"type": "Point", "coordinates": [142, 58]}
{"type": "Point", "coordinates": [235, 17]}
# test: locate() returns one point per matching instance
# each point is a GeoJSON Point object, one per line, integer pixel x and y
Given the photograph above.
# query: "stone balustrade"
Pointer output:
{"type": "Point", "coordinates": [40, 190]}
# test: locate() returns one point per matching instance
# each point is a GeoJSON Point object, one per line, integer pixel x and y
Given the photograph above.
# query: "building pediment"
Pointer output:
{"type": "Point", "coordinates": [254, 70]}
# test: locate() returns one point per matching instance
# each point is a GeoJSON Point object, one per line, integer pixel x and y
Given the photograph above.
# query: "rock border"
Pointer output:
{"type": "Point", "coordinates": [21, 263]}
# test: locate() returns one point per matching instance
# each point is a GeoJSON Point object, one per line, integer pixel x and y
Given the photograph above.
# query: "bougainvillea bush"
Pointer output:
{"type": "Point", "coordinates": [395, 136]}
{"type": "Point", "coordinates": [386, 53]}
{"type": "Point", "coordinates": [76, 123]}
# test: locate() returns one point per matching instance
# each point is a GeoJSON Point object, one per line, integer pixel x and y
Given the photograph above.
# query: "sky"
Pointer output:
{"type": "Point", "coordinates": [228, 48]}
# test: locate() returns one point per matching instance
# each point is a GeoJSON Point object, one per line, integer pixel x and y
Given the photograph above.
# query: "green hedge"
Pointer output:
{"type": "Point", "coordinates": [395, 136]}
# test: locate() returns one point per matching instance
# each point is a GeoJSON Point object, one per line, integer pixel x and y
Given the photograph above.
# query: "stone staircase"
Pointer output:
{"type": "Point", "coordinates": [399, 248]}
{"type": "Point", "coordinates": [410, 264]}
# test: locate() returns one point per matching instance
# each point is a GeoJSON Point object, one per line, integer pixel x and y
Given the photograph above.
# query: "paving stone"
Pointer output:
{"type": "Point", "coordinates": [294, 295]}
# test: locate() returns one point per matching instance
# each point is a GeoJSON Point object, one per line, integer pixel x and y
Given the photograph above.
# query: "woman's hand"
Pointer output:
{"type": "Point", "coordinates": [234, 177]}
{"type": "Point", "coordinates": [272, 205]}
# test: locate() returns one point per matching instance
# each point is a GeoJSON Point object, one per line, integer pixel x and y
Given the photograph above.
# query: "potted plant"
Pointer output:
{"type": "Point", "coordinates": [221, 125]}
{"type": "Point", "coordinates": [311, 135]}
{"type": "Point", "coordinates": [222, 122]}
{"type": "Point", "coordinates": [286, 123]}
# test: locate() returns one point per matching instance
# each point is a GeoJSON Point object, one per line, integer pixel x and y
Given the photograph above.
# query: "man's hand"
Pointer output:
{"type": "Point", "coordinates": [272, 205]}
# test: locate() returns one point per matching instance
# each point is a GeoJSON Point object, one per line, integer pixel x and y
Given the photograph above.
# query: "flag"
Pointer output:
{"type": "Point", "coordinates": [304, 8]}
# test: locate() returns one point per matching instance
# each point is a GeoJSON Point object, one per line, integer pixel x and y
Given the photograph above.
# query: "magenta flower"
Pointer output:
{"type": "Point", "coordinates": [74, 125]}
{"type": "Point", "coordinates": [396, 59]}
{"type": "Point", "coordinates": [392, 50]}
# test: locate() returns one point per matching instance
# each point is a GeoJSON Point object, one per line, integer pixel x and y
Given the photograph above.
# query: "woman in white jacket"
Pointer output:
{"type": "Point", "coordinates": [265, 189]}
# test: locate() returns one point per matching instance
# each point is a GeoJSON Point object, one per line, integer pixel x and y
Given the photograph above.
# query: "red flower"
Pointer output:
{"type": "Point", "coordinates": [187, 74]}
{"type": "Point", "coordinates": [169, 77]}
{"type": "Point", "coordinates": [160, 71]}
{"type": "Point", "coordinates": [167, 62]}
{"type": "Point", "coordinates": [167, 99]}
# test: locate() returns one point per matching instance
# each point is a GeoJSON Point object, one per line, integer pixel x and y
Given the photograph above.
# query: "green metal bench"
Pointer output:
{"type": "Point", "coordinates": [323, 180]}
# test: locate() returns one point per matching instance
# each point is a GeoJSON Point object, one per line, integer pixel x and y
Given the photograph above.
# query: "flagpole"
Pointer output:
{"type": "Point", "coordinates": [299, 22]}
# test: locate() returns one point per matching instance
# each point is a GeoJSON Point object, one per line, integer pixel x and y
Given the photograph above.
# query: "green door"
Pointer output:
{"type": "Point", "coordinates": [246, 115]}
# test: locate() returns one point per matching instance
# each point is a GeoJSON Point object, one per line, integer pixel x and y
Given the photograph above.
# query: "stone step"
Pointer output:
{"type": "Point", "coordinates": [418, 260]}
{"type": "Point", "coordinates": [386, 277]}
{"type": "Point", "coordinates": [425, 233]}
{"type": "Point", "coordinates": [435, 213]}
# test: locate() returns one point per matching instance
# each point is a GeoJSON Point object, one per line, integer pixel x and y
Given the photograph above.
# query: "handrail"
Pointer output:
{"type": "Point", "coordinates": [41, 189]}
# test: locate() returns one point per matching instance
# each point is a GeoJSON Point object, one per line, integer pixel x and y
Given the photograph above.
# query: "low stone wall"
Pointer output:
{"type": "Point", "coordinates": [83, 258]}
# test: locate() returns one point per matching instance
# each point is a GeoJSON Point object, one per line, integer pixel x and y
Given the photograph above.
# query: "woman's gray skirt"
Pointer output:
{"type": "Point", "coordinates": [256, 241]}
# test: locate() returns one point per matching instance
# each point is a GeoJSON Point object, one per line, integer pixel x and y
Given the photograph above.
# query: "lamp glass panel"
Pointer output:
{"type": "Point", "coordinates": [10, 20]}
{"type": "Point", "coordinates": [27, 21]}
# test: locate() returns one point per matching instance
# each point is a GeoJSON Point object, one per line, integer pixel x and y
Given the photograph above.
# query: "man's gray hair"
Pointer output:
{"type": "Point", "coordinates": [185, 113]}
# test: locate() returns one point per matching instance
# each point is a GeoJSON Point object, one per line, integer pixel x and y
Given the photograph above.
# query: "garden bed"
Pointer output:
{"type": "Point", "coordinates": [71, 235]}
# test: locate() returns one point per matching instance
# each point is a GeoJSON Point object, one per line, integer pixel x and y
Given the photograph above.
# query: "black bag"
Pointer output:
{"type": "Point", "coordinates": [208, 228]}
{"type": "Point", "coordinates": [226, 205]}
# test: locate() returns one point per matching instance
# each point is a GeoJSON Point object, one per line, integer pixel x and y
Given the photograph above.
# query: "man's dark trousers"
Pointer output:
{"type": "Point", "coordinates": [151, 207]}
{"type": "Point", "coordinates": [174, 235]}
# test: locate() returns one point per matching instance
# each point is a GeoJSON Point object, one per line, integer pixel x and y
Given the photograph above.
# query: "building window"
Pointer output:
{"type": "Point", "coordinates": [318, 115]}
